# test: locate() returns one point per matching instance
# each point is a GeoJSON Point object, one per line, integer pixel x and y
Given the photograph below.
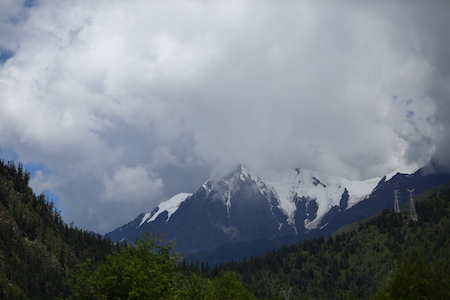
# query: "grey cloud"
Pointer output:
{"type": "Point", "coordinates": [145, 100]}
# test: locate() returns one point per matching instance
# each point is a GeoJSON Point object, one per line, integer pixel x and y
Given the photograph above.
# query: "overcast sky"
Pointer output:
{"type": "Point", "coordinates": [117, 105]}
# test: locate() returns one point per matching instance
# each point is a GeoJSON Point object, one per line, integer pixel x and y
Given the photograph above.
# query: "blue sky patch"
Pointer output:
{"type": "Point", "coordinates": [8, 154]}
{"type": "Point", "coordinates": [410, 114]}
{"type": "Point", "coordinates": [5, 54]}
{"type": "Point", "coordinates": [30, 3]}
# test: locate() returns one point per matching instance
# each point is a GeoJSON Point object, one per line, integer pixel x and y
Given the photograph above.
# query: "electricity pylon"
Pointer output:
{"type": "Point", "coordinates": [412, 208]}
{"type": "Point", "coordinates": [396, 204]}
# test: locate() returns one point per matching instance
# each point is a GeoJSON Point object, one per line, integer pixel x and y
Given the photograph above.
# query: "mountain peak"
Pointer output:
{"type": "Point", "coordinates": [242, 171]}
{"type": "Point", "coordinates": [245, 205]}
{"type": "Point", "coordinates": [228, 186]}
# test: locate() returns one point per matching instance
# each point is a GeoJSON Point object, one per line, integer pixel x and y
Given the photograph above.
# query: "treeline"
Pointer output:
{"type": "Point", "coordinates": [356, 264]}
{"type": "Point", "coordinates": [16, 175]}
{"type": "Point", "coordinates": [38, 251]}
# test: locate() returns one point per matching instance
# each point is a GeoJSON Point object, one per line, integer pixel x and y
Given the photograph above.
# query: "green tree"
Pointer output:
{"type": "Point", "coordinates": [224, 287]}
{"type": "Point", "coordinates": [415, 278]}
{"type": "Point", "coordinates": [147, 271]}
{"type": "Point", "coordinates": [228, 287]}
{"type": "Point", "coordinates": [150, 271]}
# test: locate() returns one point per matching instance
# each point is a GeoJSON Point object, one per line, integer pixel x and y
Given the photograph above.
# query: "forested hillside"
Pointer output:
{"type": "Point", "coordinates": [41, 257]}
{"type": "Point", "coordinates": [386, 257]}
{"type": "Point", "coordinates": [38, 251]}
{"type": "Point", "coordinates": [359, 263]}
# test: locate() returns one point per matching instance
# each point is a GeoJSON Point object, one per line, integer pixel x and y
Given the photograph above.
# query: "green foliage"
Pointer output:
{"type": "Point", "coordinates": [414, 278]}
{"type": "Point", "coordinates": [147, 271]}
{"type": "Point", "coordinates": [355, 264]}
{"type": "Point", "coordinates": [37, 249]}
{"type": "Point", "coordinates": [150, 271]}
{"type": "Point", "coordinates": [39, 252]}
{"type": "Point", "coordinates": [226, 287]}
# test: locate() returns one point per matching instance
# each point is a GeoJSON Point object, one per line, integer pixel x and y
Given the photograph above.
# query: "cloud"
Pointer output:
{"type": "Point", "coordinates": [129, 104]}
{"type": "Point", "coordinates": [41, 182]}
{"type": "Point", "coordinates": [131, 185]}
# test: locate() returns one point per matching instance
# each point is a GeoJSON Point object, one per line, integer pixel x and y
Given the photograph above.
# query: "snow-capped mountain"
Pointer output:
{"type": "Point", "coordinates": [245, 206]}
{"type": "Point", "coordinates": [318, 189]}
{"type": "Point", "coordinates": [285, 191]}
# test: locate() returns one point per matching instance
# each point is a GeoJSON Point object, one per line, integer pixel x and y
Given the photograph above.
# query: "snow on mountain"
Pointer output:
{"type": "Point", "coordinates": [230, 184]}
{"type": "Point", "coordinates": [287, 187]}
{"type": "Point", "coordinates": [324, 189]}
{"type": "Point", "coordinates": [244, 205]}
{"type": "Point", "coordinates": [247, 205]}
{"type": "Point", "coordinates": [359, 190]}
{"type": "Point", "coordinates": [145, 218]}
{"type": "Point", "coordinates": [170, 206]}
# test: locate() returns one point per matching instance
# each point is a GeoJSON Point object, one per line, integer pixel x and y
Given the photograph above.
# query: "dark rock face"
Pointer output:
{"type": "Point", "coordinates": [343, 204]}
{"type": "Point", "coordinates": [236, 212]}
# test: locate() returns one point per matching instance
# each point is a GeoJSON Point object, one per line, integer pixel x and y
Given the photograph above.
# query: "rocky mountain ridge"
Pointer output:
{"type": "Point", "coordinates": [244, 206]}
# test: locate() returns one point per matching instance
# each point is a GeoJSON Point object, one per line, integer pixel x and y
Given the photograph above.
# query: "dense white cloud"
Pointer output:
{"type": "Point", "coordinates": [132, 185]}
{"type": "Point", "coordinates": [128, 103]}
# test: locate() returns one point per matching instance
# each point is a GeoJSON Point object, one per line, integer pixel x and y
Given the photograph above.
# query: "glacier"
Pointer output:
{"type": "Point", "coordinates": [324, 189]}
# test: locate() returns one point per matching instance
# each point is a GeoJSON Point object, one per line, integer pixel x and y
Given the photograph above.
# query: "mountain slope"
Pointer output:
{"type": "Point", "coordinates": [244, 206]}
{"type": "Point", "coordinates": [380, 199]}
{"type": "Point", "coordinates": [356, 264]}
{"type": "Point", "coordinates": [38, 250]}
